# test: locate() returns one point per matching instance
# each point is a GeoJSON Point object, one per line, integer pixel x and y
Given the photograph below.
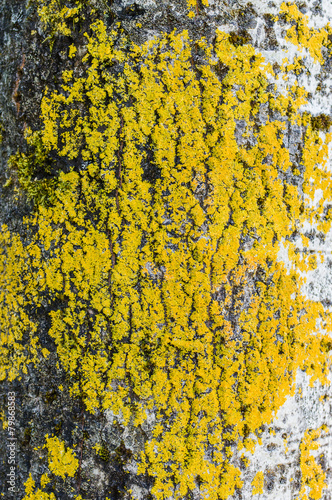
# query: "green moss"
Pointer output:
{"type": "Point", "coordinates": [27, 436]}
{"type": "Point", "coordinates": [123, 454]}
{"type": "Point", "coordinates": [8, 183]}
{"type": "Point", "coordinates": [50, 396]}
{"type": "Point", "coordinates": [26, 168]}
{"type": "Point", "coordinates": [239, 38]}
{"type": "Point", "coordinates": [2, 131]}
{"type": "Point", "coordinates": [58, 428]}
{"type": "Point", "coordinates": [103, 452]}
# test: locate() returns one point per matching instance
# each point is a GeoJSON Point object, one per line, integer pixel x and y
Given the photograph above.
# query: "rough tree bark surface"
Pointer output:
{"type": "Point", "coordinates": [103, 461]}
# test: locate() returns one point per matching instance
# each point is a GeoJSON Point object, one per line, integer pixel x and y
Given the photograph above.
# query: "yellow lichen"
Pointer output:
{"type": "Point", "coordinates": [312, 475]}
{"type": "Point", "coordinates": [301, 35]}
{"type": "Point", "coordinates": [61, 462]}
{"type": "Point", "coordinates": [162, 249]}
{"type": "Point", "coordinates": [258, 483]}
{"type": "Point", "coordinates": [56, 18]}
{"type": "Point", "coordinates": [30, 494]}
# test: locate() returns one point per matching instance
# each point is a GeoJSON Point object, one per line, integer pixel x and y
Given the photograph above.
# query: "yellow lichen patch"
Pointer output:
{"type": "Point", "coordinates": [30, 494]}
{"type": "Point", "coordinates": [25, 167]}
{"type": "Point", "coordinates": [15, 323]}
{"type": "Point", "coordinates": [301, 35]}
{"type": "Point", "coordinates": [159, 254]}
{"type": "Point", "coordinates": [4, 421]}
{"type": "Point", "coordinates": [44, 480]}
{"type": "Point", "coordinates": [313, 477]}
{"type": "Point", "coordinates": [258, 483]}
{"type": "Point", "coordinates": [194, 6]}
{"type": "Point", "coordinates": [57, 18]}
{"type": "Point", "coordinates": [72, 51]}
{"type": "Point", "coordinates": [61, 17]}
{"type": "Point", "coordinates": [61, 461]}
